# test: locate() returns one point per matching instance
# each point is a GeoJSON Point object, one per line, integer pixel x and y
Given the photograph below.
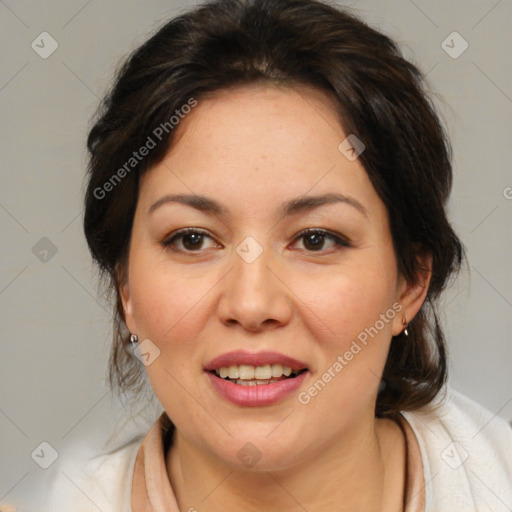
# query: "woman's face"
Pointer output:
{"type": "Point", "coordinates": [253, 287]}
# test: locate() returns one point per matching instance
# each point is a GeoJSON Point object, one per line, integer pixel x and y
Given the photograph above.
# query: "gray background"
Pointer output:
{"type": "Point", "coordinates": [56, 329]}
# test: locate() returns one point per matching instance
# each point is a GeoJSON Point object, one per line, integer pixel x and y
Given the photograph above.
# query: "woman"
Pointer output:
{"type": "Point", "coordinates": [266, 196]}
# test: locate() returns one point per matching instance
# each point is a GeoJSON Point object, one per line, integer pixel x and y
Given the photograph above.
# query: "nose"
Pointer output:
{"type": "Point", "coordinates": [254, 295]}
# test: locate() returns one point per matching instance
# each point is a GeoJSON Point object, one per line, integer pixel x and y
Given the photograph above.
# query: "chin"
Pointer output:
{"type": "Point", "coordinates": [256, 451]}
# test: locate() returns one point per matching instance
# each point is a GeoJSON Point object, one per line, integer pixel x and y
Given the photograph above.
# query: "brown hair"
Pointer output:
{"type": "Point", "coordinates": [380, 98]}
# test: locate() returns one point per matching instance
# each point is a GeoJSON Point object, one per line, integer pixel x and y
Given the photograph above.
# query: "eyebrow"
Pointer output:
{"type": "Point", "coordinates": [293, 206]}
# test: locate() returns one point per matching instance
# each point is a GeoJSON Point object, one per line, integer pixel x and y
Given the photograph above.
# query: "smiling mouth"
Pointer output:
{"type": "Point", "coordinates": [247, 375]}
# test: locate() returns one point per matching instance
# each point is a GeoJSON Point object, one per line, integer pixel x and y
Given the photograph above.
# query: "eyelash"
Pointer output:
{"type": "Point", "coordinates": [338, 240]}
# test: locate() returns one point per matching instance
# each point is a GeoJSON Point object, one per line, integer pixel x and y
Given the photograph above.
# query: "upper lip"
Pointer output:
{"type": "Point", "coordinates": [239, 357]}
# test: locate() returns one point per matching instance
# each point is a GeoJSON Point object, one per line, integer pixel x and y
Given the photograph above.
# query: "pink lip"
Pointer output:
{"type": "Point", "coordinates": [256, 396]}
{"type": "Point", "coordinates": [259, 395]}
{"type": "Point", "coordinates": [239, 357]}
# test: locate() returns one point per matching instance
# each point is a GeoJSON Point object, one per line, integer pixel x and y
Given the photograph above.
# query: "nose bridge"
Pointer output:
{"type": "Point", "coordinates": [253, 295]}
{"type": "Point", "coordinates": [251, 271]}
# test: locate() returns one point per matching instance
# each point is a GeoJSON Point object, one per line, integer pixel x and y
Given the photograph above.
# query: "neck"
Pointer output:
{"type": "Point", "coordinates": [363, 471]}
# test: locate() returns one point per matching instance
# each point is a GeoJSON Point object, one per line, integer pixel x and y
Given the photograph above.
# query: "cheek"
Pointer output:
{"type": "Point", "coordinates": [168, 309]}
{"type": "Point", "coordinates": [350, 300]}
{"type": "Point", "coordinates": [357, 306]}
{"type": "Point", "coordinates": [172, 313]}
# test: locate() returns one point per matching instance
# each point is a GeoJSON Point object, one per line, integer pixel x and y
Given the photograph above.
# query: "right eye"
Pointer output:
{"type": "Point", "coordinates": [187, 240]}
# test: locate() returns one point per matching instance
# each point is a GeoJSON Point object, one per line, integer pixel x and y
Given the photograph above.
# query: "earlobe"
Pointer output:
{"type": "Point", "coordinates": [413, 296]}
{"type": "Point", "coordinates": [125, 299]}
{"type": "Point", "coordinates": [125, 296]}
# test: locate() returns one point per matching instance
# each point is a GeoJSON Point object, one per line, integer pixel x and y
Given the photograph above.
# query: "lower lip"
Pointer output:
{"type": "Point", "coordinates": [259, 395]}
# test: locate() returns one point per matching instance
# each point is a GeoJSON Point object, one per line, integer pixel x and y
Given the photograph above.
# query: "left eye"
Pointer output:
{"type": "Point", "coordinates": [314, 239]}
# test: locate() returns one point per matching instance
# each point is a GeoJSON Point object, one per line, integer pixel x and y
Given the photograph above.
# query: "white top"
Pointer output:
{"type": "Point", "coordinates": [466, 454]}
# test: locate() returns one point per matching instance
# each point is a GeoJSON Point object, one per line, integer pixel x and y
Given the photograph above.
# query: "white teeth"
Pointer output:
{"type": "Point", "coordinates": [246, 382]}
{"type": "Point", "coordinates": [263, 372]}
{"type": "Point", "coordinates": [255, 382]}
{"type": "Point", "coordinates": [245, 372]}
{"type": "Point", "coordinates": [277, 370]}
{"type": "Point", "coordinates": [254, 374]}
{"type": "Point", "coordinates": [233, 372]}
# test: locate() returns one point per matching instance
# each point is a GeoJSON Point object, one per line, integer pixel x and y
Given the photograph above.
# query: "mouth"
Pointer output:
{"type": "Point", "coordinates": [248, 375]}
{"type": "Point", "coordinates": [256, 380]}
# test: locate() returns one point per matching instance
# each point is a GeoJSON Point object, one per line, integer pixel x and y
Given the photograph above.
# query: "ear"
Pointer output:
{"type": "Point", "coordinates": [412, 296]}
{"type": "Point", "coordinates": [125, 296]}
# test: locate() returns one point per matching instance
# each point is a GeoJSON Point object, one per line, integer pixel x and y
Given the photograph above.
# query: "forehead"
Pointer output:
{"type": "Point", "coordinates": [261, 117]}
{"type": "Point", "coordinates": [260, 143]}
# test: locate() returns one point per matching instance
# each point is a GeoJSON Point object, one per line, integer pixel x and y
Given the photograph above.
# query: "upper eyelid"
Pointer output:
{"type": "Point", "coordinates": [326, 232]}
{"type": "Point", "coordinates": [186, 231]}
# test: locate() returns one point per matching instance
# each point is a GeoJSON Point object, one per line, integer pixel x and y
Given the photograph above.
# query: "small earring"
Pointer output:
{"type": "Point", "coordinates": [134, 340]}
{"type": "Point", "coordinates": [404, 323]}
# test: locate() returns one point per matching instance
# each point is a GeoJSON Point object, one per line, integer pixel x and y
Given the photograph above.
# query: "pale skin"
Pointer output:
{"type": "Point", "coordinates": [251, 149]}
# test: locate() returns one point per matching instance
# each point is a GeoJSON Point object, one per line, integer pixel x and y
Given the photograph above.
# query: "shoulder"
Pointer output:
{"type": "Point", "coordinates": [99, 482]}
{"type": "Point", "coordinates": [467, 455]}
